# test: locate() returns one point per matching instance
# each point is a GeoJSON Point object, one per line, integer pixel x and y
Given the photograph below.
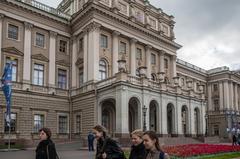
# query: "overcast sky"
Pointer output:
{"type": "Point", "coordinates": [208, 30]}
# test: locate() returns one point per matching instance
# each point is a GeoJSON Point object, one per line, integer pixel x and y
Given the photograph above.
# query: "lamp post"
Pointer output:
{"type": "Point", "coordinates": [144, 109]}
{"type": "Point", "coordinates": [206, 120]}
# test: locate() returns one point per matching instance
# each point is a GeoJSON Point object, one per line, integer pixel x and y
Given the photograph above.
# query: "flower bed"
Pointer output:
{"type": "Point", "coordinates": [199, 149]}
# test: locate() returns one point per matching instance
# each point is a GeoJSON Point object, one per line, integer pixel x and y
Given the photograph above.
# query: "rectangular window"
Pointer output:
{"type": "Point", "coordinates": [13, 32]}
{"type": "Point", "coordinates": [38, 122]}
{"type": "Point", "coordinates": [14, 68]}
{"type": "Point", "coordinates": [40, 40]}
{"type": "Point", "coordinates": [123, 48]}
{"type": "Point", "coordinates": [81, 79]}
{"type": "Point", "coordinates": [78, 123]}
{"type": "Point", "coordinates": [13, 123]}
{"type": "Point", "coordinates": [139, 54]}
{"type": "Point", "coordinates": [63, 46]}
{"type": "Point", "coordinates": [153, 59]}
{"type": "Point", "coordinates": [153, 23]}
{"type": "Point", "coordinates": [81, 45]}
{"type": "Point", "coordinates": [38, 75]}
{"type": "Point", "coordinates": [63, 124]}
{"type": "Point", "coordinates": [165, 63]}
{"type": "Point", "coordinates": [215, 87]}
{"type": "Point", "coordinates": [216, 104]}
{"type": "Point", "coordinates": [103, 41]}
{"type": "Point", "coordinates": [62, 79]}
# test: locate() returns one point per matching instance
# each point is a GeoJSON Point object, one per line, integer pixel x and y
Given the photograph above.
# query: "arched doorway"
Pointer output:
{"type": "Point", "coordinates": [133, 108]}
{"type": "Point", "coordinates": [170, 119]}
{"type": "Point", "coordinates": [197, 121]}
{"type": "Point", "coordinates": [153, 116]}
{"type": "Point", "coordinates": [109, 115]}
{"type": "Point", "coordinates": [184, 114]}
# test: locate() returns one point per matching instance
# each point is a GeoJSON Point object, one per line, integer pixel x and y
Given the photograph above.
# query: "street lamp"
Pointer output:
{"type": "Point", "coordinates": [206, 119]}
{"type": "Point", "coordinates": [144, 109]}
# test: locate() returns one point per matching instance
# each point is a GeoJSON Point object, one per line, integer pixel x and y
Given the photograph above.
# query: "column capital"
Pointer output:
{"type": "Point", "coordinates": [162, 52]}
{"type": "Point", "coordinates": [133, 40]}
{"type": "Point", "coordinates": [53, 33]}
{"type": "Point", "coordinates": [92, 27]}
{"type": "Point", "coordinates": [148, 47]}
{"type": "Point", "coordinates": [28, 25]}
{"type": "Point", "coordinates": [2, 16]}
{"type": "Point", "coordinates": [116, 33]}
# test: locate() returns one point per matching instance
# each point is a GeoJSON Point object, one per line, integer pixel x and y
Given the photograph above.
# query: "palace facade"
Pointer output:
{"type": "Point", "coordinates": [109, 62]}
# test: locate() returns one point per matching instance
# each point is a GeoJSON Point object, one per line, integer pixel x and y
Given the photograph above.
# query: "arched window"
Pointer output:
{"type": "Point", "coordinates": [153, 77]}
{"type": "Point", "coordinates": [102, 70]}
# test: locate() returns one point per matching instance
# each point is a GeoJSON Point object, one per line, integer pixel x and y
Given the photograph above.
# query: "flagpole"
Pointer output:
{"type": "Point", "coordinates": [9, 132]}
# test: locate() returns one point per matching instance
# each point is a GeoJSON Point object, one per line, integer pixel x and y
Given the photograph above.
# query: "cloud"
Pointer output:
{"type": "Point", "coordinates": [207, 29]}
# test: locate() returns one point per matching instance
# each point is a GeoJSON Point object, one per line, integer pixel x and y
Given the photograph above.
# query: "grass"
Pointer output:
{"type": "Point", "coordinates": [17, 146]}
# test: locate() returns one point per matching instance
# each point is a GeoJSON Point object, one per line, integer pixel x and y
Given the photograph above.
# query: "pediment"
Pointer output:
{"type": "Point", "coordinates": [12, 50]}
{"type": "Point", "coordinates": [79, 61]}
{"type": "Point", "coordinates": [63, 63]}
{"type": "Point", "coordinates": [40, 57]}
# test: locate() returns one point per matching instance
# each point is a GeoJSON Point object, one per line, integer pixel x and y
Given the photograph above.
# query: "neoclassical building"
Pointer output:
{"type": "Point", "coordinates": [109, 62]}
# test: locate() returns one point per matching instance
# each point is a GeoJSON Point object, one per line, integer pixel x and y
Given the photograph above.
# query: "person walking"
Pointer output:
{"type": "Point", "coordinates": [234, 140]}
{"type": "Point", "coordinates": [90, 141]}
{"type": "Point", "coordinates": [46, 148]}
{"type": "Point", "coordinates": [138, 150]}
{"type": "Point", "coordinates": [107, 148]}
{"type": "Point", "coordinates": [151, 143]}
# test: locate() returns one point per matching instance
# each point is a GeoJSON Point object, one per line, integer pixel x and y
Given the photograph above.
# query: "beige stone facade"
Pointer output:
{"type": "Point", "coordinates": [103, 65]}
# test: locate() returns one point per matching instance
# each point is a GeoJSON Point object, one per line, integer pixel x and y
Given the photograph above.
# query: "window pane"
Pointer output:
{"type": "Point", "coordinates": [103, 41]}
{"type": "Point", "coordinates": [38, 122]}
{"type": "Point", "coordinates": [12, 32]}
{"type": "Point", "coordinates": [13, 123]}
{"type": "Point", "coordinates": [40, 38]}
{"type": "Point", "coordinates": [38, 74]}
{"type": "Point", "coordinates": [14, 68]}
{"type": "Point", "coordinates": [63, 124]}
{"type": "Point", "coordinates": [62, 79]}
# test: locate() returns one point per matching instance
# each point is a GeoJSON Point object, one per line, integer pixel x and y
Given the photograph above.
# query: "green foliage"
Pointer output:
{"type": "Point", "coordinates": [17, 146]}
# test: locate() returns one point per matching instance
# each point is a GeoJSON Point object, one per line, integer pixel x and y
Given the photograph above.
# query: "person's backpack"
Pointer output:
{"type": "Point", "coordinates": [161, 155]}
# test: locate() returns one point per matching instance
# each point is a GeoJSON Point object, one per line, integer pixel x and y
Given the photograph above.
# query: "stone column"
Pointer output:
{"type": "Point", "coordinates": [27, 54]}
{"type": "Point", "coordinates": [179, 118]}
{"type": "Point", "coordinates": [93, 51]}
{"type": "Point", "coordinates": [161, 61]}
{"type": "Point", "coordinates": [210, 106]}
{"type": "Point", "coordinates": [52, 58]}
{"type": "Point", "coordinates": [74, 59]}
{"type": "Point", "coordinates": [191, 118]}
{"type": "Point", "coordinates": [85, 56]}
{"type": "Point", "coordinates": [231, 95]}
{"type": "Point", "coordinates": [122, 112]}
{"type": "Point", "coordinates": [1, 34]}
{"type": "Point", "coordinates": [236, 96]}
{"type": "Point", "coordinates": [133, 56]}
{"type": "Point", "coordinates": [226, 95]}
{"type": "Point", "coordinates": [221, 95]}
{"type": "Point", "coordinates": [174, 71]}
{"type": "Point", "coordinates": [148, 61]}
{"type": "Point", "coordinates": [115, 52]}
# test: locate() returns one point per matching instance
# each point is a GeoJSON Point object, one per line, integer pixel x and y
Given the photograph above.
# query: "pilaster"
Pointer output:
{"type": "Point", "coordinates": [115, 52]}
{"type": "Point", "coordinates": [148, 61]}
{"type": "Point", "coordinates": [133, 56]}
{"type": "Point", "coordinates": [52, 59]}
{"type": "Point", "coordinates": [1, 34]}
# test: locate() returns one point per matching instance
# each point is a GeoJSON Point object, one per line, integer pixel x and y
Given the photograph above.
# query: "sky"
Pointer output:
{"type": "Point", "coordinates": [208, 30]}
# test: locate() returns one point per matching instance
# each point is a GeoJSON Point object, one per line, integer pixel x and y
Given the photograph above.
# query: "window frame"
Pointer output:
{"type": "Point", "coordinates": [63, 49]}
{"type": "Point", "coordinates": [103, 41]}
{"type": "Point", "coordinates": [65, 127]}
{"type": "Point", "coordinates": [18, 33]}
{"type": "Point", "coordinates": [38, 70]}
{"type": "Point", "coordinates": [37, 40]}
{"type": "Point", "coordinates": [6, 128]}
{"type": "Point", "coordinates": [153, 59]}
{"type": "Point", "coordinates": [60, 75]}
{"type": "Point", "coordinates": [101, 71]}
{"type": "Point", "coordinates": [14, 65]}
{"type": "Point", "coordinates": [37, 128]}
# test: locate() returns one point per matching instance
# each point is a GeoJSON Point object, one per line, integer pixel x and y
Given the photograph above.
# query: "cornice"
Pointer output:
{"type": "Point", "coordinates": [63, 63]}
{"type": "Point", "coordinates": [40, 57]}
{"type": "Point", "coordinates": [12, 50]}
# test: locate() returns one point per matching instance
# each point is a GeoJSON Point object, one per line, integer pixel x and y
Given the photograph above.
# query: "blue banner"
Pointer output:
{"type": "Point", "coordinates": [7, 89]}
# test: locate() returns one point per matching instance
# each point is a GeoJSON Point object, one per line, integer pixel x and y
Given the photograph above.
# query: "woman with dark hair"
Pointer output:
{"type": "Point", "coordinates": [138, 150]}
{"type": "Point", "coordinates": [107, 148]}
{"type": "Point", "coordinates": [46, 148]}
{"type": "Point", "coordinates": [151, 143]}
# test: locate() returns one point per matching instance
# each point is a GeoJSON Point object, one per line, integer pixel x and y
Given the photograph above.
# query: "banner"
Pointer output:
{"type": "Point", "coordinates": [7, 90]}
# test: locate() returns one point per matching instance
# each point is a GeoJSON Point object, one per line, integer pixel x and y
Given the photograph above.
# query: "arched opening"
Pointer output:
{"type": "Point", "coordinates": [153, 116]}
{"type": "Point", "coordinates": [133, 108]}
{"type": "Point", "coordinates": [109, 115]}
{"type": "Point", "coordinates": [102, 69]}
{"type": "Point", "coordinates": [170, 119]}
{"type": "Point", "coordinates": [197, 120]}
{"type": "Point", "coordinates": [184, 115]}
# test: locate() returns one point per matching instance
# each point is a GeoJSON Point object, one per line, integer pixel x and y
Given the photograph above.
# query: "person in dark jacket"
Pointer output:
{"type": "Point", "coordinates": [90, 141]}
{"type": "Point", "coordinates": [107, 148]}
{"type": "Point", "coordinates": [138, 150]}
{"type": "Point", "coordinates": [46, 148]}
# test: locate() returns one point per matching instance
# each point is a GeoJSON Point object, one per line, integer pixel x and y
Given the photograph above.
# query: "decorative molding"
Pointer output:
{"type": "Point", "coordinates": [92, 27]}
{"type": "Point", "coordinates": [79, 61]}
{"type": "Point", "coordinates": [2, 16]}
{"type": "Point", "coordinates": [148, 47]}
{"type": "Point", "coordinates": [116, 33]}
{"type": "Point", "coordinates": [63, 63]}
{"type": "Point", "coordinates": [12, 50]}
{"type": "Point", "coordinates": [133, 40]}
{"type": "Point", "coordinates": [28, 25]}
{"type": "Point", "coordinates": [40, 57]}
{"type": "Point", "coordinates": [53, 33]}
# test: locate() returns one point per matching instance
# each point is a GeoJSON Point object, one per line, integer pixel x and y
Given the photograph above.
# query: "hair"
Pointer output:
{"type": "Point", "coordinates": [137, 132]}
{"type": "Point", "coordinates": [47, 131]}
{"type": "Point", "coordinates": [102, 129]}
{"type": "Point", "coordinates": [153, 136]}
